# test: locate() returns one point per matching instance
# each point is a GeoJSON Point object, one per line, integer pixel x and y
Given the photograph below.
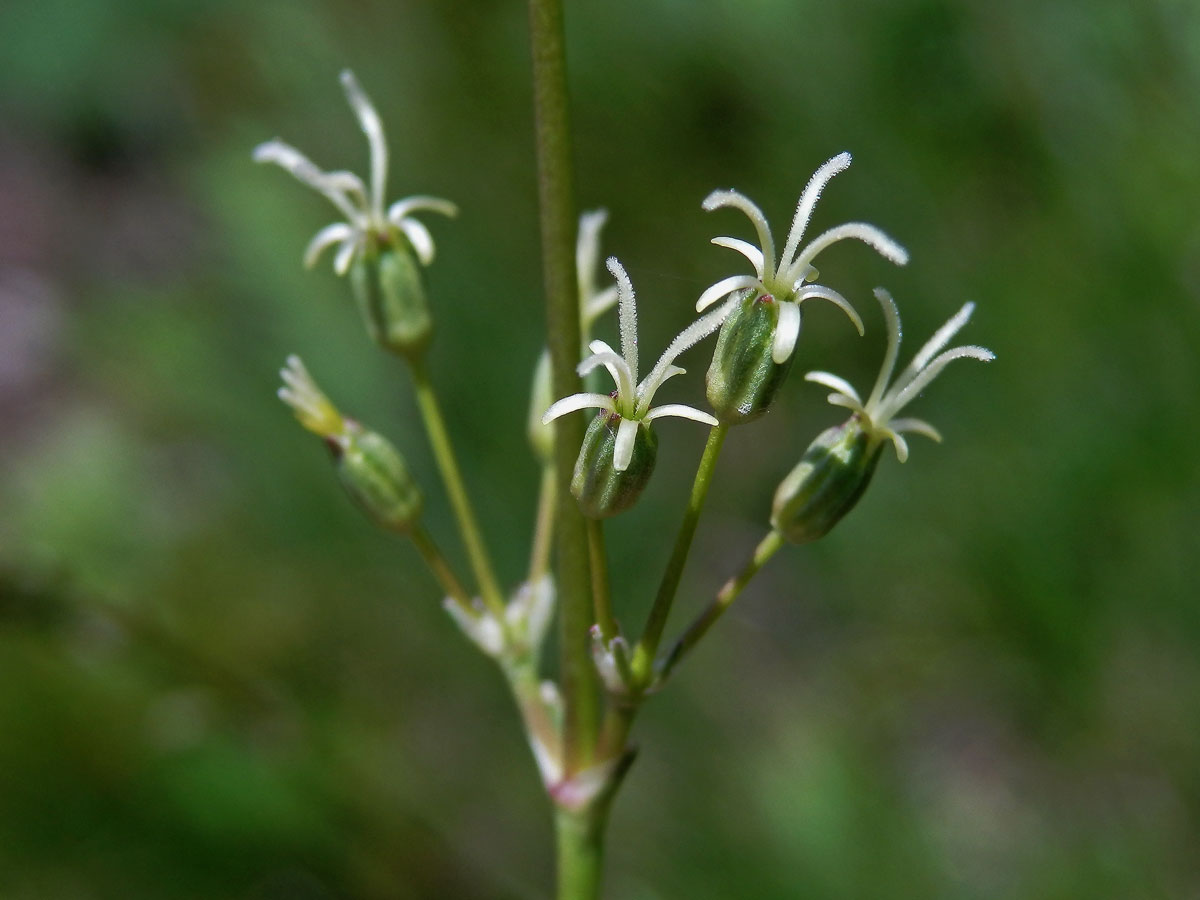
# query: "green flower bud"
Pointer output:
{"type": "Point", "coordinates": [601, 489]}
{"type": "Point", "coordinates": [390, 293]}
{"type": "Point", "coordinates": [743, 377]}
{"type": "Point", "coordinates": [831, 477]}
{"type": "Point", "coordinates": [369, 467]}
{"type": "Point", "coordinates": [375, 475]}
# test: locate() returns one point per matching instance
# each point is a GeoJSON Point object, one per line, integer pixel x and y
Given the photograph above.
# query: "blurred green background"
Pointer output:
{"type": "Point", "coordinates": [216, 681]}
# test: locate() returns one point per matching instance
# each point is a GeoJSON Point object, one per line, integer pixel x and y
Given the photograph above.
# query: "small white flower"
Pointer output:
{"type": "Point", "coordinates": [786, 280]}
{"type": "Point", "coordinates": [363, 208]}
{"type": "Point", "coordinates": [877, 415]}
{"type": "Point", "coordinates": [631, 400]}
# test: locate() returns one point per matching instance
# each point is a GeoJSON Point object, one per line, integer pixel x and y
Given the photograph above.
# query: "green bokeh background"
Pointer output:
{"type": "Point", "coordinates": [216, 681]}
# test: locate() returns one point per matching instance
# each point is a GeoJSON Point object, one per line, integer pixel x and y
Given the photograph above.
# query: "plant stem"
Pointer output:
{"type": "Point", "coordinates": [766, 548]}
{"type": "Point", "coordinates": [557, 216]}
{"type": "Point", "coordinates": [441, 569]}
{"type": "Point", "coordinates": [643, 658]}
{"type": "Point", "coordinates": [443, 452]}
{"type": "Point", "coordinates": [601, 596]}
{"type": "Point", "coordinates": [543, 530]}
{"type": "Point", "coordinates": [580, 842]}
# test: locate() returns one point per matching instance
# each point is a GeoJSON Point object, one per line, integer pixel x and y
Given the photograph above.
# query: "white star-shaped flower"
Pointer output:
{"type": "Point", "coordinates": [630, 402]}
{"type": "Point", "coordinates": [787, 280]}
{"type": "Point", "coordinates": [877, 415]}
{"type": "Point", "coordinates": [363, 207]}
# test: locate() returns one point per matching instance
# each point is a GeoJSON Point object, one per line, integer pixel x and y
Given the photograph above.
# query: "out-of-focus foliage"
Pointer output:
{"type": "Point", "coordinates": [217, 681]}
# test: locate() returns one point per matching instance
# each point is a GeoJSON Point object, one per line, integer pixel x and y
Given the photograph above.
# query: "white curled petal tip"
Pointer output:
{"type": "Point", "coordinates": [345, 255]}
{"type": "Point", "coordinates": [821, 292]}
{"type": "Point", "coordinates": [745, 248]}
{"type": "Point", "coordinates": [845, 402]}
{"type": "Point", "coordinates": [420, 203]}
{"type": "Point", "coordinates": [326, 237]}
{"type": "Point", "coordinates": [577, 402]}
{"type": "Point", "coordinates": [623, 446]}
{"type": "Point", "coordinates": [420, 238]}
{"type": "Point", "coordinates": [786, 333]}
{"type": "Point", "coordinates": [900, 444]}
{"type": "Point", "coordinates": [281, 154]}
{"type": "Point", "coordinates": [835, 382]}
{"type": "Point", "coordinates": [682, 411]}
{"type": "Point", "coordinates": [916, 426]}
{"type": "Point", "coordinates": [725, 287]}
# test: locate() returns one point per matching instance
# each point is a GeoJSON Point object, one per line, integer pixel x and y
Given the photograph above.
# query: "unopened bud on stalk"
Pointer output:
{"type": "Point", "coordinates": [369, 467]}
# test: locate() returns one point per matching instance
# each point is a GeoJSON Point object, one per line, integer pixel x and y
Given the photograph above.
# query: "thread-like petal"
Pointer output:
{"type": "Point", "coordinates": [943, 336]}
{"type": "Point", "coordinates": [860, 231]}
{"type": "Point", "coordinates": [895, 400]}
{"type": "Point", "coordinates": [682, 411]}
{"type": "Point", "coordinates": [420, 203]}
{"type": "Point", "coordinates": [916, 426]}
{"type": "Point", "coordinates": [345, 255]}
{"type": "Point", "coordinates": [725, 287]}
{"type": "Point", "coordinates": [808, 201]}
{"type": "Point", "coordinates": [745, 248]}
{"type": "Point", "coordinates": [576, 402]}
{"type": "Point", "coordinates": [627, 314]}
{"type": "Point", "coordinates": [420, 238]}
{"type": "Point", "coordinates": [326, 237]}
{"type": "Point", "coordinates": [617, 368]}
{"type": "Point", "coordinates": [824, 293]}
{"type": "Point", "coordinates": [372, 126]}
{"type": "Point", "coordinates": [303, 169]}
{"type": "Point", "coordinates": [891, 316]}
{"type": "Point", "coordinates": [737, 200]}
{"type": "Point", "coordinates": [837, 383]}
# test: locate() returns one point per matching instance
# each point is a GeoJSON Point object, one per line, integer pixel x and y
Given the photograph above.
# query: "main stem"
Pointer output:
{"type": "Point", "coordinates": [557, 214]}
{"type": "Point", "coordinates": [643, 659]}
{"type": "Point", "coordinates": [580, 834]}
{"type": "Point", "coordinates": [443, 452]}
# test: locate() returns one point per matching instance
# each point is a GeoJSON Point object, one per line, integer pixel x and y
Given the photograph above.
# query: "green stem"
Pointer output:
{"type": "Point", "coordinates": [443, 452]}
{"type": "Point", "coordinates": [557, 217]}
{"type": "Point", "coordinates": [580, 841]}
{"type": "Point", "coordinates": [766, 548]}
{"type": "Point", "coordinates": [441, 569]}
{"type": "Point", "coordinates": [643, 657]}
{"type": "Point", "coordinates": [543, 530]}
{"type": "Point", "coordinates": [601, 595]}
